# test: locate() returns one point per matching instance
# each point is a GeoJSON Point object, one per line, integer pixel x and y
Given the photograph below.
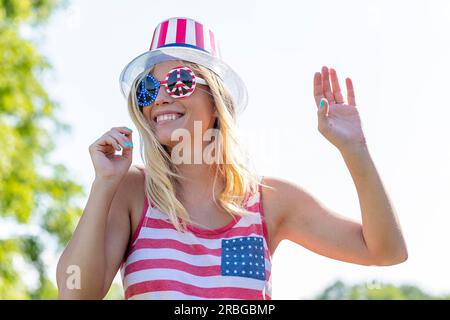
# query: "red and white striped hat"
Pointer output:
{"type": "Point", "coordinates": [189, 40]}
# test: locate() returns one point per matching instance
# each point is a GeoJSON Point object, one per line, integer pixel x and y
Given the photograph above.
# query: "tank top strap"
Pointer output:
{"type": "Point", "coordinates": [261, 211]}
{"type": "Point", "coordinates": [254, 203]}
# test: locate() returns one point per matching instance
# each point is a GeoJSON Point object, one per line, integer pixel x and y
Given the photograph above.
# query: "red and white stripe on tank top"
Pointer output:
{"type": "Point", "coordinates": [231, 262]}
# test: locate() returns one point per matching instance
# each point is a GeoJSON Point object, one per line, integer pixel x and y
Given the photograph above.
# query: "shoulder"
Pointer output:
{"type": "Point", "coordinates": [276, 194]}
{"type": "Point", "coordinates": [131, 188]}
{"type": "Point", "coordinates": [279, 199]}
{"type": "Point", "coordinates": [126, 197]}
{"type": "Point", "coordinates": [136, 172]}
{"type": "Point", "coordinates": [135, 179]}
{"type": "Point", "coordinates": [132, 192]}
{"type": "Point", "coordinates": [280, 193]}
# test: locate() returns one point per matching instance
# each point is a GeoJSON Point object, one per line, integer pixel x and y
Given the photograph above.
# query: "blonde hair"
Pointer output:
{"type": "Point", "coordinates": [162, 175]}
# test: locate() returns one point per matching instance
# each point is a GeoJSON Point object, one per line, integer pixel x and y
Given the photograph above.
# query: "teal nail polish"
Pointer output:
{"type": "Point", "coordinates": [119, 148]}
{"type": "Point", "coordinates": [129, 129]}
{"type": "Point", "coordinates": [128, 144]}
{"type": "Point", "coordinates": [322, 103]}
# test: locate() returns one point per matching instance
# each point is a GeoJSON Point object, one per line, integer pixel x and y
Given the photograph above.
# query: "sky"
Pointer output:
{"type": "Point", "coordinates": [396, 54]}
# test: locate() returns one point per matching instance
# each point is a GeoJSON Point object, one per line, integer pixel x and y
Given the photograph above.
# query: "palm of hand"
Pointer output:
{"type": "Point", "coordinates": [343, 125]}
{"type": "Point", "coordinates": [338, 122]}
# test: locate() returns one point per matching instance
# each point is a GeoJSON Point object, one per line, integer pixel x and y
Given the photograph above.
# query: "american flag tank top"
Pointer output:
{"type": "Point", "coordinates": [231, 262]}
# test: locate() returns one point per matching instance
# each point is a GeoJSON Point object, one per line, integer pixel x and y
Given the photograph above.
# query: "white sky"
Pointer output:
{"type": "Point", "coordinates": [395, 52]}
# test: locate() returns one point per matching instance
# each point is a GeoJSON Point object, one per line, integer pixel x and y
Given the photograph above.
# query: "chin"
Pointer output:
{"type": "Point", "coordinates": [164, 136]}
{"type": "Point", "coordinates": [165, 141]}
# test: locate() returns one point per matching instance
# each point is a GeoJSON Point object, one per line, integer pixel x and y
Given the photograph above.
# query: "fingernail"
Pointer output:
{"type": "Point", "coordinates": [322, 103]}
{"type": "Point", "coordinates": [119, 148]}
{"type": "Point", "coordinates": [129, 129]}
{"type": "Point", "coordinates": [128, 144]}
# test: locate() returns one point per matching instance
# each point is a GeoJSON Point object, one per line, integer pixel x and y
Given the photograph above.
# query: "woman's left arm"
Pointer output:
{"type": "Point", "coordinates": [380, 226]}
{"type": "Point", "coordinates": [305, 220]}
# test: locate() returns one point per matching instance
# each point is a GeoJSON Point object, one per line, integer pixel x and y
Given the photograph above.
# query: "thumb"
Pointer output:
{"type": "Point", "coordinates": [324, 106]}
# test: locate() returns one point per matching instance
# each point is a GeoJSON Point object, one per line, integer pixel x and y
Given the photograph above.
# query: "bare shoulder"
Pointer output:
{"type": "Point", "coordinates": [134, 178]}
{"type": "Point", "coordinates": [280, 193]}
{"type": "Point", "coordinates": [275, 205]}
{"type": "Point", "coordinates": [135, 190]}
{"type": "Point", "coordinates": [132, 187]}
{"type": "Point", "coordinates": [130, 192]}
{"type": "Point", "coordinates": [279, 199]}
{"type": "Point", "coordinates": [284, 193]}
{"type": "Point", "coordinates": [131, 183]}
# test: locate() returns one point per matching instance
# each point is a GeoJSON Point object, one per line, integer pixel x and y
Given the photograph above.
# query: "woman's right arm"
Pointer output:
{"type": "Point", "coordinates": [100, 240]}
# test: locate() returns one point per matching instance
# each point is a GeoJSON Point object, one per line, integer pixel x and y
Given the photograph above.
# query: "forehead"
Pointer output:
{"type": "Point", "coordinates": [161, 69]}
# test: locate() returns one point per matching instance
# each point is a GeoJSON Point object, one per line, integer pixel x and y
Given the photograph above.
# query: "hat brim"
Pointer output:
{"type": "Point", "coordinates": [145, 61]}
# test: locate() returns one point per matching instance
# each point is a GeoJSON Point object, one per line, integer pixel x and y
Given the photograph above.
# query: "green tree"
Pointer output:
{"type": "Point", "coordinates": [36, 196]}
{"type": "Point", "coordinates": [115, 292]}
{"type": "Point", "coordinates": [375, 291]}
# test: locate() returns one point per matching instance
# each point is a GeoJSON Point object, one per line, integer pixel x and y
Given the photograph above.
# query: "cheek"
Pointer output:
{"type": "Point", "coordinates": [201, 109]}
{"type": "Point", "coordinates": [146, 113]}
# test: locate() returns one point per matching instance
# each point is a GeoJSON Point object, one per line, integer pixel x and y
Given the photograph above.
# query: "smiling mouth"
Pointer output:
{"type": "Point", "coordinates": [166, 118]}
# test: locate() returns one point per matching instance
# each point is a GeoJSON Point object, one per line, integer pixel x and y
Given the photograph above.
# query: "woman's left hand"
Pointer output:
{"type": "Point", "coordinates": [338, 122]}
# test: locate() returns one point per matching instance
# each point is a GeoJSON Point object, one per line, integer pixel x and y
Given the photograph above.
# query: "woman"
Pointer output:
{"type": "Point", "coordinates": [207, 228]}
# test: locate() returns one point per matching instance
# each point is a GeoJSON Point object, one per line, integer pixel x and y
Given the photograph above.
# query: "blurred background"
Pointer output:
{"type": "Point", "coordinates": [59, 91]}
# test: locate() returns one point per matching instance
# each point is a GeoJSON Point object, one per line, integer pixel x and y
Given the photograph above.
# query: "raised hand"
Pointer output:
{"type": "Point", "coordinates": [338, 122]}
{"type": "Point", "coordinates": [108, 164]}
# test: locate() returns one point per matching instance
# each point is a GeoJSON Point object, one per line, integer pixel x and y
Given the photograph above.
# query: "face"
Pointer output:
{"type": "Point", "coordinates": [199, 106]}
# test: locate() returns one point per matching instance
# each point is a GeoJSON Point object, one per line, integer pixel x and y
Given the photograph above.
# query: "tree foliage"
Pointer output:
{"type": "Point", "coordinates": [36, 195]}
{"type": "Point", "coordinates": [375, 291]}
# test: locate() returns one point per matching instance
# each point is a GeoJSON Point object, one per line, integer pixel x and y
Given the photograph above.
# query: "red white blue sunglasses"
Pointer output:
{"type": "Point", "coordinates": [180, 82]}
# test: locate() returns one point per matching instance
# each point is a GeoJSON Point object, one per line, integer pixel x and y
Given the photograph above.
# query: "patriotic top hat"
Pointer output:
{"type": "Point", "coordinates": [189, 40]}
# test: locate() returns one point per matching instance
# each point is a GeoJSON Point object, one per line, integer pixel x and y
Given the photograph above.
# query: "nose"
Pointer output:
{"type": "Point", "coordinates": [162, 97]}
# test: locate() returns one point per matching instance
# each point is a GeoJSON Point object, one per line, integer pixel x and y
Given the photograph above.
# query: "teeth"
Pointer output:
{"type": "Point", "coordinates": [167, 117]}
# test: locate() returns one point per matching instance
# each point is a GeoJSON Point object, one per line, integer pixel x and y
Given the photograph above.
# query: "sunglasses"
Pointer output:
{"type": "Point", "coordinates": [180, 82]}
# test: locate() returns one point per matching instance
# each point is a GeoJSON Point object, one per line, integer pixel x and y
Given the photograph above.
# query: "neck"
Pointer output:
{"type": "Point", "coordinates": [197, 183]}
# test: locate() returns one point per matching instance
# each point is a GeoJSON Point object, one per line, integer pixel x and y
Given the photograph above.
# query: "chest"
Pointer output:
{"type": "Point", "coordinates": [212, 218]}
{"type": "Point", "coordinates": [163, 263]}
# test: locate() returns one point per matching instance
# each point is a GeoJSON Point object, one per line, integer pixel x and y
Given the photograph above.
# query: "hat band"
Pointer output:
{"type": "Point", "coordinates": [185, 45]}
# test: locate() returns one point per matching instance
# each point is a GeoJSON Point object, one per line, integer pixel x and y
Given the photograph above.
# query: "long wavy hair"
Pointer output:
{"type": "Point", "coordinates": [162, 176]}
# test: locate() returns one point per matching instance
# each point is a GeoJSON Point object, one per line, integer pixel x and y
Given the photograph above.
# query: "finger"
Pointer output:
{"type": "Point", "coordinates": [106, 142]}
{"type": "Point", "coordinates": [124, 141]}
{"type": "Point", "coordinates": [125, 130]}
{"type": "Point", "coordinates": [318, 92]}
{"type": "Point", "coordinates": [121, 143]}
{"type": "Point", "coordinates": [337, 95]}
{"type": "Point", "coordinates": [350, 92]}
{"type": "Point", "coordinates": [324, 106]}
{"type": "Point", "coordinates": [326, 85]}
